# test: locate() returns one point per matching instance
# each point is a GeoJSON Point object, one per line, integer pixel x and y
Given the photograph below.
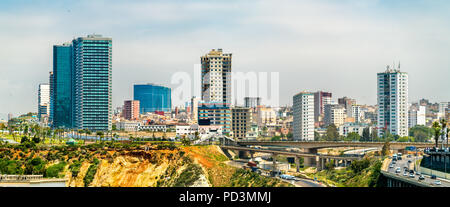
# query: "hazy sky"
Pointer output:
{"type": "Point", "coordinates": [336, 46]}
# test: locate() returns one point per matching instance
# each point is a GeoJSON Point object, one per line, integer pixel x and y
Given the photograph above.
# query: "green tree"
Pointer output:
{"type": "Point", "coordinates": [275, 138]}
{"type": "Point", "coordinates": [420, 133]}
{"type": "Point", "coordinates": [316, 136]}
{"type": "Point", "coordinates": [437, 132]}
{"type": "Point", "coordinates": [332, 133]}
{"type": "Point", "coordinates": [352, 136]}
{"type": "Point", "coordinates": [374, 136]}
{"type": "Point", "coordinates": [366, 134]}
{"type": "Point", "coordinates": [385, 151]}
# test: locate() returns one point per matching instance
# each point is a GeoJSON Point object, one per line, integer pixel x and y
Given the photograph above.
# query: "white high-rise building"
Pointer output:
{"type": "Point", "coordinates": [303, 111]}
{"type": "Point", "coordinates": [416, 116]}
{"type": "Point", "coordinates": [356, 113]}
{"type": "Point", "coordinates": [43, 100]}
{"type": "Point", "coordinates": [392, 94]}
{"type": "Point", "coordinates": [216, 77]}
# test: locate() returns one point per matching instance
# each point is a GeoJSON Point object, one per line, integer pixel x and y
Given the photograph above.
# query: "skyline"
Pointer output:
{"type": "Point", "coordinates": [337, 40]}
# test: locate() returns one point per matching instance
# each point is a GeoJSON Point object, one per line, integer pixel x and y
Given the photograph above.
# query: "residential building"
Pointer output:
{"type": "Point", "coordinates": [303, 111]}
{"type": "Point", "coordinates": [347, 103]}
{"type": "Point", "coordinates": [153, 98]}
{"type": "Point", "coordinates": [416, 116]}
{"type": "Point", "coordinates": [216, 77]}
{"type": "Point", "coordinates": [128, 126]}
{"type": "Point", "coordinates": [321, 99]}
{"type": "Point", "coordinates": [130, 110]}
{"type": "Point", "coordinates": [241, 122]}
{"type": "Point", "coordinates": [217, 114]}
{"type": "Point", "coordinates": [442, 107]}
{"type": "Point", "coordinates": [334, 114]}
{"type": "Point", "coordinates": [347, 128]}
{"type": "Point", "coordinates": [43, 101]}
{"type": "Point", "coordinates": [356, 113]}
{"type": "Point", "coordinates": [194, 109]}
{"type": "Point", "coordinates": [92, 83]}
{"type": "Point", "coordinates": [392, 94]}
{"type": "Point", "coordinates": [252, 102]}
{"type": "Point", "coordinates": [266, 116]}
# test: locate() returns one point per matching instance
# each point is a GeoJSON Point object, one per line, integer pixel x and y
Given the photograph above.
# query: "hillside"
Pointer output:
{"type": "Point", "coordinates": [129, 165]}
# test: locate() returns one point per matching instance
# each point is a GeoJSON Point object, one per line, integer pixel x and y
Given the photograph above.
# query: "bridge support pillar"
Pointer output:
{"type": "Point", "coordinates": [274, 163]}
{"type": "Point", "coordinates": [310, 161]}
{"type": "Point", "coordinates": [318, 165]}
{"type": "Point", "coordinates": [297, 163]}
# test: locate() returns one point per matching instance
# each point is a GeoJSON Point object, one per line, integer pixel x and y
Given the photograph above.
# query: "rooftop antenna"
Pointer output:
{"type": "Point", "coordinates": [398, 65]}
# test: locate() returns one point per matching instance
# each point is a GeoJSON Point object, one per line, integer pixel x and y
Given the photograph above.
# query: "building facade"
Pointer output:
{"type": "Point", "coordinates": [194, 109]}
{"type": "Point", "coordinates": [218, 114]}
{"type": "Point", "coordinates": [43, 101]}
{"type": "Point", "coordinates": [130, 110]}
{"type": "Point", "coordinates": [153, 98]}
{"type": "Point", "coordinates": [92, 83]}
{"type": "Point", "coordinates": [320, 100]}
{"type": "Point", "coordinates": [347, 103]}
{"type": "Point", "coordinates": [61, 86]}
{"type": "Point", "coordinates": [392, 95]}
{"type": "Point", "coordinates": [303, 111]}
{"type": "Point", "coordinates": [241, 122]}
{"type": "Point", "coordinates": [416, 116]}
{"type": "Point", "coordinates": [216, 77]}
{"type": "Point", "coordinates": [252, 102]}
{"type": "Point", "coordinates": [334, 114]}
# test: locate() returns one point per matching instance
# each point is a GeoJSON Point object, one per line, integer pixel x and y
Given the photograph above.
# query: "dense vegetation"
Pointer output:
{"type": "Point", "coordinates": [247, 178]}
{"type": "Point", "coordinates": [361, 173]}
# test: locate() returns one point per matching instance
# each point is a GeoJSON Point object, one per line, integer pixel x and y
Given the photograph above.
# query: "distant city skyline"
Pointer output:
{"type": "Point", "coordinates": [336, 47]}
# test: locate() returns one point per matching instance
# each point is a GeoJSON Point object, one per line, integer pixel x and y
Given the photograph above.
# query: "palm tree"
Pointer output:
{"type": "Point", "coordinates": [437, 131]}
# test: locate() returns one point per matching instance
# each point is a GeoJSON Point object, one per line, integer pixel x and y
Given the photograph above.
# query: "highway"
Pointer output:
{"type": "Point", "coordinates": [298, 182]}
{"type": "Point", "coordinates": [404, 163]}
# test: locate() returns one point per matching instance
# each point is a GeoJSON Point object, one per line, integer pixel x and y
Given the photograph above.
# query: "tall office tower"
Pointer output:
{"type": "Point", "coordinates": [92, 83]}
{"type": "Point", "coordinates": [303, 111]}
{"type": "Point", "coordinates": [334, 114]}
{"type": "Point", "coordinates": [50, 116]}
{"type": "Point", "coordinates": [130, 110]}
{"type": "Point", "coordinates": [320, 100]}
{"type": "Point", "coordinates": [348, 103]}
{"type": "Point", "coordinates": [153, 98]}
{"type": "Point", "coordinates": [218, 114]}
{"type": "Point", "coordinates": [416, 116]}
{"type": "Point", "coordinates": [357, 113]}
{"type": "Point", "coordinates": [194, 109]}
{"type": "Point", "coordinates": [252, 102]}
{"type": "Point", "coordinates": [392, 102]}
{"type": "Point", "coordinates": [241, 122]}
{"type": "Point", "coordinates": [216, 77]}
{"type": "Point", "coordinates": [43, 101]}
{"type": "Point", "coordinates": [61, 86]}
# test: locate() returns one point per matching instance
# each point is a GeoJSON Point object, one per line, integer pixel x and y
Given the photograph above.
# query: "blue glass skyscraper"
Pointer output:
{"type": "Point", "coordinates": [153, 98]}
{"type": "Point", "coordinates": [92, 79]}
{"type": "Point", "coordinates": [61, 87]}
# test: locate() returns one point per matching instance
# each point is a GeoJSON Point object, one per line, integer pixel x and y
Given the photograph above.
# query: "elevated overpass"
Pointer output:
{"type": "Point", "coordinates": [310, 159]}
{"type": "Point", "coordinates": [328, 144]}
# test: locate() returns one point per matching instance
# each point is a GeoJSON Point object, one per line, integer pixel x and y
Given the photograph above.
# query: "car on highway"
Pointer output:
{"type": "Point", "coordinates": [391, 166]}
{"type": "Point", "coordinates": [411, 175]}
{"type": "Point", "coordinates": [397, 170]}
{"type": "Point", "coordinates": [433, 176]}
{"type": "Point", "coordinates": [417, 173]}
{"type": "Point", "coordinates": [409, 161]}
{"type": "Point", "coordinates": [287, 177]}
{"type": "Point", "coordinates": [437, 182]}
{"type": "Point", "coordinates": [405, 174]}
{"type": "Point", "coordinates": [421, 177]}
{"type": "Point", "coordinates": [409, 156]}
{"type": "Point", "coordinates": [394, 162]}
